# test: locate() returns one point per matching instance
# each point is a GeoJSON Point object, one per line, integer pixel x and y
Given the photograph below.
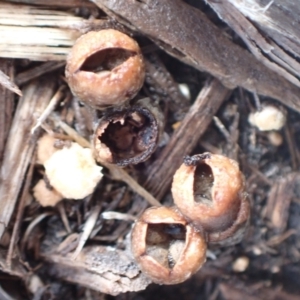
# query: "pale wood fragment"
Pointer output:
{"type": "Point", "coordinates": [39, 34]}
{"type": "Point", "coordinates": [7, 83]}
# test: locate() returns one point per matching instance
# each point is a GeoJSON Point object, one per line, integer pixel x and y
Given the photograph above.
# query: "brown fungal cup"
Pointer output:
{"type": "Point", "coordinates": [166, 247]}
{"type": "Point", "coordinates": [128, 136]}
{"type": "Point", "coordinates": [209, 190]}
{"type": "Point", "coordinates": [105, 68]}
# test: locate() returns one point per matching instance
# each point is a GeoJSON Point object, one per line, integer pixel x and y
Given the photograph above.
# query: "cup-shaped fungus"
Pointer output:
{"type": "Point", "coordinates": [105, 68]}
{"type": "Point", "coordinates": [166, 247]}
{"type": "Point", "coordinates": [128, 136]}
{"type": "Point", "coordinates": [209, 190]}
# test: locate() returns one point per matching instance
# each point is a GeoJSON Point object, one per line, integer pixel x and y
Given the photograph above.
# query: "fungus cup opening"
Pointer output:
{"type": "Point", "coordinates": [203, 183]}
{"type": "Point", "coordinates": [165, 243]}
{"type": "Point", "coordinates": [106, 60]}
{"type": "Point", "coordinates": [131, 135]}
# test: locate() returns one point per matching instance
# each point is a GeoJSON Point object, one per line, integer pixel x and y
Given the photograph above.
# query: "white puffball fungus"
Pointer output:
{"type": "Point", "coordinates": [185, 90]}
{"type": "Point", "coordinates": [240, 264]}
{"type": "Point", "coordinates": [269, 118]}
{"type": "Point", "coordinates": [275, 138]}
{"type": "Point", "coordinates": [46, 196]}
{"type": "Point", "coordinates": [45, 148]}
{"type": "Point", "coordinates": [73, 172]}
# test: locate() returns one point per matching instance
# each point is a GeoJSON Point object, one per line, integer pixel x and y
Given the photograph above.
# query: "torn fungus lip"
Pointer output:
{"type": "Point", "coordinates": [166, 247]}
{"type": "Point", "coordinates": [209, 190]}
{"type": "Point", "coordinates": [129, 135]}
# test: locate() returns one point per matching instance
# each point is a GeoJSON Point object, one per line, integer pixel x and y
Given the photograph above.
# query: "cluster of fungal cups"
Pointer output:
{"type": "Point", "coordinates": [211, 206]}
{"type": "Point", "coordinates": [105, 70]}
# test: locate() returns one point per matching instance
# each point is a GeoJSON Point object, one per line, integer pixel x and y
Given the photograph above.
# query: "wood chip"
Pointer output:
{"type": "Point", "coordinates": [279, 200]}
{"type": "Point", "coordinates": [103, 269]}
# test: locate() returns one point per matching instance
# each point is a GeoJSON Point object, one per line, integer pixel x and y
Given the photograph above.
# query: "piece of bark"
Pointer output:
{"type": "Point", "coordinates": [186, 33]}
{"type": "Point", "coordinates": [21, 144]}
{"type": "Point", "coordinates": [107, 270]}
{"type": "Point", "coordinates": [279, 200]}
{"type": "Point", "coordinates": [264, 49]}
{"type": "Point", "coordinates": [6, 104]}
{"type": "Point", "coordinates": [185, 138]}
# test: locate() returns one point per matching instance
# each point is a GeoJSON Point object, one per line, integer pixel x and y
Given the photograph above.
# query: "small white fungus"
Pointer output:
{"type": "Point", "coordinates": [45, 148]}
{"type": "Point", "coordinates": [275, 138]}
{"type": "Point", "coordinates": [269, 118]}
{"type": "Point", "coordinates": [240, 264]}
{"type": "Point", "coordinates": [73, 172]}
{"type": "Point", "coordinates": [46, 196]}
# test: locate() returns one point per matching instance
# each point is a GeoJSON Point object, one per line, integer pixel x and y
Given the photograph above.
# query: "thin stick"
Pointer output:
{"type": "Point", "coordinates": [6, 82]}
{"type": "Point", "coordinates": [49, 109]}
{"type": "Point", "coordinates": [63, 216]}
{"type": "Point", "coordinates": [19, 215]}
{"type": "Point", "coordinates": [87, 229]}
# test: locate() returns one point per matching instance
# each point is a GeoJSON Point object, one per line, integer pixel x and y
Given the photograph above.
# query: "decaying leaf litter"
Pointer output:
{"type": "Point", "coordinates": [80, 249]}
